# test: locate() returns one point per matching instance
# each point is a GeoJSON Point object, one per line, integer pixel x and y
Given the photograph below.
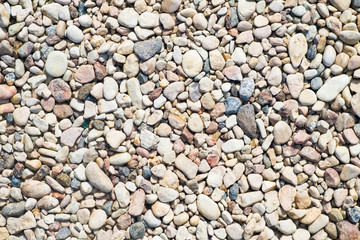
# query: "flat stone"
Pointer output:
{"type": "Point", "coordinates": [249, 198]}
{"type": "Point", "coordinates": [16, 225]}
{"type": "Point", "coordinates": [232, 145]}
{"type": "Point", "coordinates": [282, 132]}
{"type": "Point", "coordinates": [60, 90]}
{"type": "Point", "coordinates": [69, 136]}
{"type": "Point", "coordinates": [286, 197]}
{"type": "Point", "coordinates": [74, 34]}
{"type": "Point", "coordinates": [21, 115]}
{"type": "Point", "coordinates": [97, 219]}
{"type": "Point", "coordinates": [6, 92]}
{"type": "Point", "coordinates": [349, 171]}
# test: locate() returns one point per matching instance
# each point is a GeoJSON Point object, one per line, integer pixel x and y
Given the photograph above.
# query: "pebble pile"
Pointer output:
{"type": "Point", "coordinates": [178, 119]}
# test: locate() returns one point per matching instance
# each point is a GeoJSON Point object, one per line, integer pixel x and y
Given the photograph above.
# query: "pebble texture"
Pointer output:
{"type": "Point", "coordinates": [214, 119]}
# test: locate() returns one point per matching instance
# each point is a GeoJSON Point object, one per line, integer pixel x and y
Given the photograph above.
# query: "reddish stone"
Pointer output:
{"type": "Point", "coordinates": [213, 160]}
{"type": "Point", "coordinates": [48, 104]}
{"type": "Point", "coordinates": [155, 93]}
{"type": "Point", "coordinates": [124, 221]}
{"type": "Point", "coordinates": [310, 154]}
{"type": "Point", "coordinates": [138, 203]}
{"type": "Point", "coordinates": [219, 109]}
{"type": "Point", "coordinates": [6, 92]}
{"type": "Point", "coordinates": [60, 90]}
{"type": "Point", "coordinates": [193, 154]}
{"type": "Point", "coordinates": [85, 74]}
{"type": "Point", "coordinates": [289, 151]}
{"type": "Point", "coordinates": [186, 135]}
{"type": "Point", "coordinates": [332, 177]}
{"type": "Point", "coordinates": [350, 136]}
{"type": "Point", "coordinates": [63, 111]}
{"type": "Point", "coordinates": [178, 146]}
{"type": "Point", "coordinates": [100, 71]}
{"type": "Point", "coordinates": [6, 108]}
{"type": "Point", "coordinates": [52, 39]}
{"type": "Point", "coordinates": [301, 137]}
{"type": "Point", "coordinates": [212, 128]}
{"type": "Point", "coordinates": [142, 152]}
{"type": "Point", "coordinates": [265, 97]}
{"type": "Point", "coordinates": [347, 231]}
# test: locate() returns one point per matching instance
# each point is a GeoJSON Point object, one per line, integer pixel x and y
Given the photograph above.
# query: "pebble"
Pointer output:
{"type": "Point", "coordinates": [207, 207]}
{"type": "Point", "coordinates": [192, 63]}
{"type": "Point", "coordinates": [332, 87]}
{"type": "Point", "coordinates": [98, 178]}
{"type": "Point", "coordinates": [56, 64]}
{"type": "Point", "coordinates": [35, 189]}
{"type": "Point", "coordinates": [297, 49]}
{"type": "Point", "coordinates": [282, 132]}
{"type": "Point", "coordinates": [74, 34]}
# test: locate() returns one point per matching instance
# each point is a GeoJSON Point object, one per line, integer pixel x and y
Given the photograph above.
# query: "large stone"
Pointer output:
{"type": "Point", "coordinates": [98, 178]}
{"type": "Point", "coordinates": [16, 225]}
{"type": "Point", "coordinates": [188, 167]}
{"type": "Point", "coordinates": [192, 63]}
{"type": "Point", "coordinates": [332, 87]}
{"type": "Point", "coordinates": [341, 5]}
{"type": "Point", "coordinates": [56, 64]}
{"type": "Point", "coordinates": [207, 207]}
{"type": "Point", "coordinates": [35, 189]}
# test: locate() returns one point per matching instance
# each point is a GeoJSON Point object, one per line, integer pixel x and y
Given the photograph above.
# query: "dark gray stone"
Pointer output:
{"type": "Point", "coordinates": [246, 120]}
{"type": "Point", "coordinates": [148, 48]}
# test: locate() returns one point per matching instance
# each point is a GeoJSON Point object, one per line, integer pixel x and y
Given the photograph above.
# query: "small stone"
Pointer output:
{"type": "Point", "coordinates": [349, 171]}
{"type": "Point", "coordinates": [60, 90]}
{"type": "Point", "coordinates": [147, 49]}
{"type": "Point", "coordinates": [21, 116]}
{"type": "Point", "coordinates": [297, 49]}
{"type": "Point", "coordinates": [85, 74]}
{"type": "Point", "coordinates": [282, 132]}
{"type": "Point", "coordinates": [232, 145]}
{"type": "Point", "coordinates": [246, 120]}
{"type": "Point", "coordinates": [332, 177]}
{"type": "Point", "coordinates": [137, 230]}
